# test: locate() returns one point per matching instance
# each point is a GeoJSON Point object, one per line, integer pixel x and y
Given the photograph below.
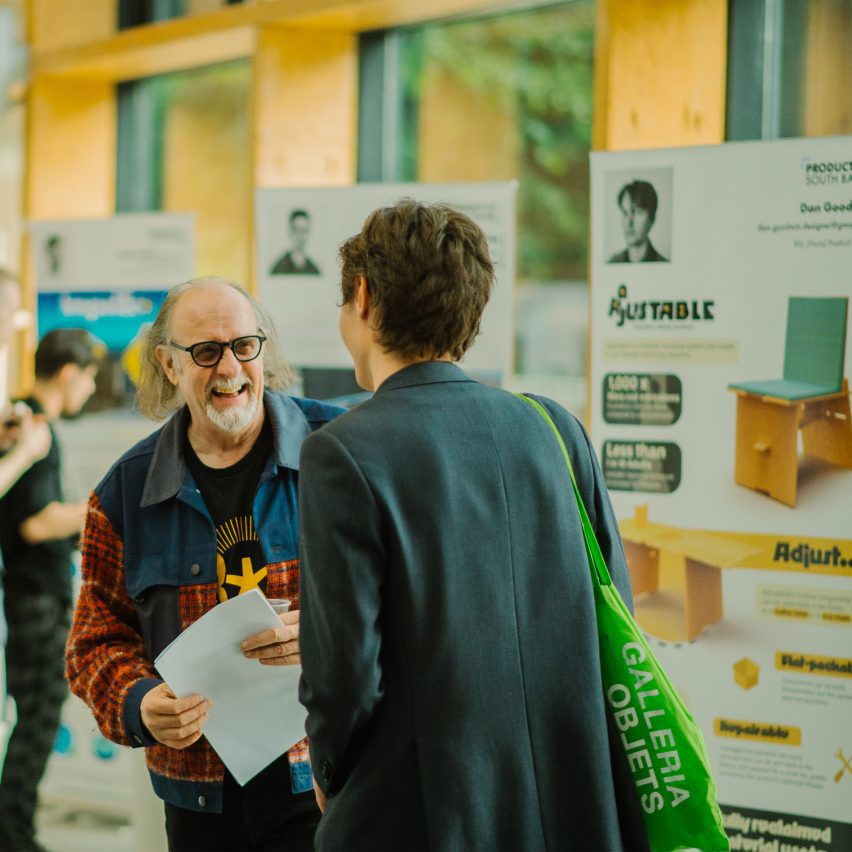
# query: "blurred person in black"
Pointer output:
{"type": "Point", "coordinates": [38, 533]}
{"type": "Point", "coordinates": [24, 438]}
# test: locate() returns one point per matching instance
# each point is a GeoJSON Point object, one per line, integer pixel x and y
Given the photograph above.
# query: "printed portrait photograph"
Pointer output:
{"type": "Point", "coordinates": [638, 216]}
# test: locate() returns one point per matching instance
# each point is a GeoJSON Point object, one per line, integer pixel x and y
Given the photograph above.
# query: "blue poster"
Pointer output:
{"type": "Point", "coordinates": [114, 317]}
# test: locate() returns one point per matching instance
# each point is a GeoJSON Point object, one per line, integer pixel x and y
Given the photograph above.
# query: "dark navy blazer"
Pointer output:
{"type": "Point", "coordinates": [449, 648]}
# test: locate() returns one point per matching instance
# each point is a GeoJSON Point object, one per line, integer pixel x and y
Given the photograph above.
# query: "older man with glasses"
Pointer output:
{"type": "Point", "coordinates": [200, 511]}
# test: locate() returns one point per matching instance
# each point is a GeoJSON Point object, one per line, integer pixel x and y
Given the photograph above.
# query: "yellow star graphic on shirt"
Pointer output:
{"type": "Point", "coordinates": [250, 579]}
{"type": "Point", "coordinates": [221, 573]}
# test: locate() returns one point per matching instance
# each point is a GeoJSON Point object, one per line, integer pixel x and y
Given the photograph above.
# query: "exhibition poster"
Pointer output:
{"type": "Point", "coordinates": [299, 232]}
{"type": "Point", "coordinates": [721, 356]}
{"type": "Point", "coordinates": [109, 275]}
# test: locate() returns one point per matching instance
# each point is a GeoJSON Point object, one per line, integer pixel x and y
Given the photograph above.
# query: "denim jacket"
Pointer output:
{"type": "Point", "coordinates": [149, 571]}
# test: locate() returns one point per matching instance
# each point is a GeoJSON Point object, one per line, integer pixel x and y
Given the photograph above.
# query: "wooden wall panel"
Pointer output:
{"type": "Point", "coordinates": [59, 24]}
{"type": "Point", "coordinates": [305, 102]}
{"type": "Point", "coordinates": [71, 149]}
{"type": "Point", "coordinates": [660, 73]}
{"type": "Point", "coordinates": [207, 166]}
{"type": "Point", "coordinates": [70, 167]}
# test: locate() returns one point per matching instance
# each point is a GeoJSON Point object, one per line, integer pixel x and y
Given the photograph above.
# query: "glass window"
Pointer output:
{"type": "Point", "coordinates": [500, 98]}
{"type": "Point", "coordinates": [184, 146]}
{"type": "Point", "coordinates": [816, 68]}
{"type": "Point", "coordinates": [788, 68]}
{"type": "Point", "coordinates": [509, 97]}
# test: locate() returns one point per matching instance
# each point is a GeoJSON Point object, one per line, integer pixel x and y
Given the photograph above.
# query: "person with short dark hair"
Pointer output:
{"type": "Point", "coordinates": [637, 202]}
{"type": "Point", "coordinates": [38, 534]}
{"type": "Point", "coordinates": [295, 260]}
{"type": "Point", "coordinates": [448, 635]}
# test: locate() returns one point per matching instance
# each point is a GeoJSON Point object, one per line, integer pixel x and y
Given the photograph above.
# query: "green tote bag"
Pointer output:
{"type": "Point", "coordinates": [663, 744]}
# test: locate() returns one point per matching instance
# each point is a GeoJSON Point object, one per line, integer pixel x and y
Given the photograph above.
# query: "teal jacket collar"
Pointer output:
{"type": "Point", "coordinates": [423, 373]}
{"type": "Point", "coordinates": [167, 472]}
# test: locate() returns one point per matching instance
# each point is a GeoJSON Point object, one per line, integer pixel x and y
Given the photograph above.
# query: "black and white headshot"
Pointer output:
{"type": "Point", "coordinates": [295, 261]}
{"type": "Point", "coordinates": [639, 218]}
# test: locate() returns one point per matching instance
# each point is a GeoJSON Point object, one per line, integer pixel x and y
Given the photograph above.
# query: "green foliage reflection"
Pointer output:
{"type": "Point", "coordinates": [538, 66]}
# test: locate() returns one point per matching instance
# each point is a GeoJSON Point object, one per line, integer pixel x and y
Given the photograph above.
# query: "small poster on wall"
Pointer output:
{"type": "Point", "coordinates": [110, 276]}
{"type": "Point", "coordinates": [300, 230]}
{"type": "Point", "coordinates": [720, 364]}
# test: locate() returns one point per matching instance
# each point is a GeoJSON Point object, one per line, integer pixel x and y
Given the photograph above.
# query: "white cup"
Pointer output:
{"type": "Point", "coordinates": [279, 604]}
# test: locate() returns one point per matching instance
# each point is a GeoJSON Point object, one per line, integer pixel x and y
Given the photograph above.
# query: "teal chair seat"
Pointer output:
{"type": "Point", "coordinates": [784, 389]}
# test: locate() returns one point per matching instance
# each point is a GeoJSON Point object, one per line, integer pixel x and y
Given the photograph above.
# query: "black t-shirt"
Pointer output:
{"type": "Point", "coordinates": [43, 568]}
{"type": "Point", "coordinates": [229, 495]}
{"type": "Point", "coordinates": [267, 800]}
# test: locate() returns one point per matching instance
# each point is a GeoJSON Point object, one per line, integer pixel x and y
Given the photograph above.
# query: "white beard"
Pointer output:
{"type": "Point", "coordinates": [235, 418]}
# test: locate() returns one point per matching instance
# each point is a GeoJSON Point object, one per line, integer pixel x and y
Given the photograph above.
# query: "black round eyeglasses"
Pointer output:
{"type": "Point", "coordinates": [208, 353]}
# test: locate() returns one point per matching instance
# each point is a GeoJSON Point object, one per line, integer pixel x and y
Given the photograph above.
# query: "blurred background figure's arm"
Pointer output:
{"type": "Point", "coordinates": [56, 520]}
{"type": "Point", "coordinates": [24, 440]}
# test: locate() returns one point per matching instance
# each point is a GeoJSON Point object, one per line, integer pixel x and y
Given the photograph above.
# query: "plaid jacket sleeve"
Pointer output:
{"type": "Point", "coordinates": [106, 662]}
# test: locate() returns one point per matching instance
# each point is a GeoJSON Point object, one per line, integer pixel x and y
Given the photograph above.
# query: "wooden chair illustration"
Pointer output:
{"type": "Point", "coordinates": [676, 574]}
{"type": "Point", "coordinates": [811, 398]}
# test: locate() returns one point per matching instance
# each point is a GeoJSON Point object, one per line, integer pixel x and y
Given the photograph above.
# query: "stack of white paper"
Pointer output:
{"type": "Point", "coordinates": [255, 714]}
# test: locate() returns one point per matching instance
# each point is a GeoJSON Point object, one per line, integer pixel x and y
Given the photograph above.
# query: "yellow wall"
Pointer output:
{"type": "Point", "coordinates": [660, 71]}
{"type": "Point", "coordinates": [57, 24]}
{"type": "Point", "coordinates": [70, 167]}
{"type": "Point", "coordinates": [305, 94]}
{"type": "Point", "coordinates": [71, 149]}
{"type": "Point", "coordinates": [207, 166]}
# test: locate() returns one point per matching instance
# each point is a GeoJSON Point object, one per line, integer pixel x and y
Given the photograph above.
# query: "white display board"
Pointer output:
{"type": "Point", "coordinates": [304, 295]}
{"type": "Point", "coordinates": [109, 275]}
{"type": "Point", "coordinates": [128, 251]}
{"type": "Point", "coordinates": [734, 495]}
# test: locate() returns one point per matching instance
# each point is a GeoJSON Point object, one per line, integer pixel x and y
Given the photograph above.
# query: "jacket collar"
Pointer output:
{"type": "Point", "coordinates": [423, 373]}
{"type": "Point", "coordinates": [167, 471]}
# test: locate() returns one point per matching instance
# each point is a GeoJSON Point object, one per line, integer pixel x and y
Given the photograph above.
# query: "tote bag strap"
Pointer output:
{"type": "Point", "coordinates": [600, 572]}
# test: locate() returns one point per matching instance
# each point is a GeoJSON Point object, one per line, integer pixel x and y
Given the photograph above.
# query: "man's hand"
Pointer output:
{"type": "Point", "coordinates": [174, 722]}
{"type": "Point", "coordinates": [278, 647]}
{"type": "Point", "coordinates": [320, 796]}
{"type": "Point", "coordinates": [35, 438]}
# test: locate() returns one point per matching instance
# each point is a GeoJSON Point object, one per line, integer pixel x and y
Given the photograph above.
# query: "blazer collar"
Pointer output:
{"type": "Point", "coordinates": [423, 373]}
{"type": "Point", "coordinates": [167, 472]}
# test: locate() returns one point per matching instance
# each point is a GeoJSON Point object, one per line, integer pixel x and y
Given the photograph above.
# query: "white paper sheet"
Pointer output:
{"type": "Point", "coordinates": [255, 715]}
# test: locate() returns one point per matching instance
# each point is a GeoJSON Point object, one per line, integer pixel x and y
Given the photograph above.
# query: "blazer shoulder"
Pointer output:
{"type": "Point", "coordinates": [569, 425]}
{"type": "Point", "coordinates": [317, 413]}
